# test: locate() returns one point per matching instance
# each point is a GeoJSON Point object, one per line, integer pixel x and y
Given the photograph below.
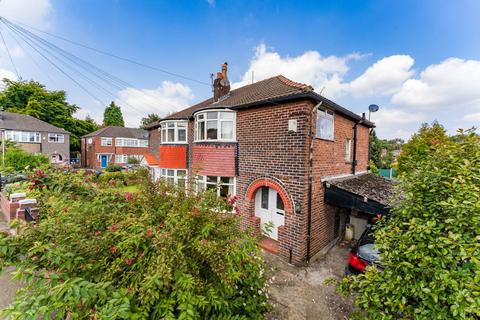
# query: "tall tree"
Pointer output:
{"type": "Point", "coordinates": [150, 118]}
{"type": "Point", "coordinates": [32, 98]}
{"type": "Point", "coordinates": [112, 116]}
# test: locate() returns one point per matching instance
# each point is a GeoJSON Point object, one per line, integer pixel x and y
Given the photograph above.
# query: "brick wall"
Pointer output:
{"type": "Point", "coordinates": [154, 141]}
{"type": "Point", "coordinates": [266, 149]}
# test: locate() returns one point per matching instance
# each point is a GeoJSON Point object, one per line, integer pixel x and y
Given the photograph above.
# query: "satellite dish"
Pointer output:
{"type": "Point", "coordinates": [373, 108]}
{"type": "Point", "coordinates": [89, 141]}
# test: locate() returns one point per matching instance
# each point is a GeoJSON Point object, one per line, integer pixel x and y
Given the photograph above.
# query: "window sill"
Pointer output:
{"type": "Point", "coordinates": [173, 143]}
{"type": "Point", "coordinates": [323, 139]}
{"type": "Point", "coordinates": [215, 141]}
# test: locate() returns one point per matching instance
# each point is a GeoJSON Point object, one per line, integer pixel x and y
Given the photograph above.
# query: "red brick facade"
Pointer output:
{"type": "Point", "coordinates": [266, 153]}
{"type": "Point", "coordinates": [91, 148]}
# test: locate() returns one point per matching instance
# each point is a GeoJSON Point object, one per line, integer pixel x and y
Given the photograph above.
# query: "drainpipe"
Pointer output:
{"type": "Point", "coordinates": [310, 181]}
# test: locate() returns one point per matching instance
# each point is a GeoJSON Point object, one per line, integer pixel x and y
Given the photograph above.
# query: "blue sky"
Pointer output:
{"type": "Point", "coordinates": [419, 60]}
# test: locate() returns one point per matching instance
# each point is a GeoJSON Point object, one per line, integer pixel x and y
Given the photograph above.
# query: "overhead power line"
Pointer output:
{"type": "Point", "coordinates": [9, 55]}
{"type": "Point", "coordinates": [112, 55]}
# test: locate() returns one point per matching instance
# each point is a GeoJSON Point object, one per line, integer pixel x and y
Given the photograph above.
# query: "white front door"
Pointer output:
{"type": "Point", "coordinates": [269, 208]}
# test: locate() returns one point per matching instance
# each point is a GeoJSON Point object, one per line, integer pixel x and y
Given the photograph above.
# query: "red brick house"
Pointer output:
{"type": "Point", "coordinates": [274, 144]}
{"type": "Point", "coordinates": [113, 145]}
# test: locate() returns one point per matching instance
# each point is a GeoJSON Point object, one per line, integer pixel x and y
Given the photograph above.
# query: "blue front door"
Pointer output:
{"type": "Point", "coordinates": [104, 159]}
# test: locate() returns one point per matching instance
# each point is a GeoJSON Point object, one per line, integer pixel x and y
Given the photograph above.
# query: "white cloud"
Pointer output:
{"type": "Point", "coordinates": [473, 117]}
{"type": "Point", "coordinates": [167, 98]}
{"type": "Point", "coordinates": [310, 68]}
{"type": "Point", "coordinates": [397, 123]}
{"type": "Point", "coordinates": [451, 84]}
{"type": "Point", "coordinates": [6, 74]}
{"type": "Point", "coordinates": [384, 77]}
{"type": "Point", "coordinates": [211, 2]}
{"type": "Point", "coordinates": [31, 12]}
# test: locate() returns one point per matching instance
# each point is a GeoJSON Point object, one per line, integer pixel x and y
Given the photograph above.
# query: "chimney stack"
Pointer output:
{"type": "Point", "coordinates": [221, 85]}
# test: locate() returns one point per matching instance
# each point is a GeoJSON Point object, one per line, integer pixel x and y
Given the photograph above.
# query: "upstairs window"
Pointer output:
{"type": "Point", "coordinates": [174, 131]}
{"type": "Point", "coordinates": [106, 142]}
{"type": "Point", "coordinates": [129, 142]}
{"type": "Point", "coordinates": [215, 126]}
{"type": "Point", "coordinates": [348, 150]}
{"type": "Point", "coordinates": [56, 138]}
{"type": "Point", "coordinates": [22, 136]}
{"type": "Point", "coordinates": [325, 122]}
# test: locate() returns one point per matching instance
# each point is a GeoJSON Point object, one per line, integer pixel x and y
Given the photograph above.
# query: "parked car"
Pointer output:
{"type": "Point", "coordinates": [363, 253]}
{"type": "Point", "coordinates": [11, 178]}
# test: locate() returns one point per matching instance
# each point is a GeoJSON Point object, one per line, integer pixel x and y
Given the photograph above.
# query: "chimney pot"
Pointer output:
{"type": "Point", "coordinates": [221, 85]}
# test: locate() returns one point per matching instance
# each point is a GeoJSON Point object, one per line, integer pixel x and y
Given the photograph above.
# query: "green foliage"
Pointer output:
{"type": "Point", "coordinates": [113, 168]}
{"type": "Point", "coordinates": [430, 243]}
{"type": "Point", "coordinates": [132, 160]}
{"type": "Point", "coordinates": [150, 118]}
{"type": "Point", "coordinates": [112, 116]}
{"type": "Point", "coordinates": [387, 147]}
{"type": "Point", "coordinates": [17, 160]}
{"type": "Point", "coordinates": [97, 253]}
{"type": "Point", "coordinates": [136, 176]}
{"type": "Point", "coordinates": [34, 99]}
{"type": "Point", "coordinates": [107, 177]}
{"type": "Point", "coordinates": [420, 145]}
{"type": "Point", "coordinates": [373, 168]}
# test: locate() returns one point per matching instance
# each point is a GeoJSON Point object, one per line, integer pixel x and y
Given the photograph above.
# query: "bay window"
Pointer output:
{"type": "Point", "coordinates": [325, 122]}
{"type": "Point", "coordinates": [173, 131]}
{"type": "Point", "coordinates": [22, 136]}
{"type": "Point", "coordinates": [177, 177]}
{"type": "Point", "coordinates": [215, 126]}
{"type": "Point", "coordinates": [223, 186]}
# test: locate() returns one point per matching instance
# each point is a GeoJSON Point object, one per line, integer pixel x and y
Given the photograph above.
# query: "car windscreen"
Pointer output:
{"type": "Point", "coordinates": [368, 252]}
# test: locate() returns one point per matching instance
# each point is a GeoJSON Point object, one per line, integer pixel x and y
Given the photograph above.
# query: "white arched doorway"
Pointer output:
{"type": "Point", "coordinates": [269, 207]}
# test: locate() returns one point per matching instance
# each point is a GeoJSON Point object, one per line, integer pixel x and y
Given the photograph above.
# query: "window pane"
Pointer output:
{"type": "Point", "coordinates": [212, 115]}
{"type": "Point", "coordinates": [171, 125]}
{"type": "Point", "coordinates": [200, 117]}
{"type": "Point", "coordinates": [171, 180]}
{"type": "Point", "coordinates": [171, 135]}
{"type": "Point", "coordinates": [264, 201]}
{"type": "Point", "coordinates": [212, 130]}
{"type": "Point", "coordinates": [171, 173]}
{"type": "Point", "coordinates": [226, 115]}
{"type": "Point", "coordinates": [181, 183]}
{"type": "Point", "coordinates": [164, 135]}
{"type": "Point", "coordinates": [181, 173]}
{"type": "Point", "coordinates": [227, 130]}
{"type": "Point", "coordinates": [211, 187]}
{"type": "Point", "coordinates": [182, 135]}
{"type": "Point", "coordinates": [227, 180]}
{"type": "Point", "coordinates": [181, 124]}
{"type": "Point", "coordinates": [225, 190]}
{"type": "Point", "coordinates": [201, 131]}
{"type": "Point", "coordinates": [212, 179]}
{"type": "Point", "coordinates": [279, 203]}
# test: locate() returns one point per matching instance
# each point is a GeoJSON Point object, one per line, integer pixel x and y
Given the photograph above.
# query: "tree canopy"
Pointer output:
{"type": "Point", "coordinates": [429, 244]}
{"type": "Point", "coordinates": [150, 118]}
{"type": "Point", "coordinates": [32, 98]}
{"type": "Point", "coordinates": [112, 116]}
{"type": "Point", "coordinates": [381, 150]}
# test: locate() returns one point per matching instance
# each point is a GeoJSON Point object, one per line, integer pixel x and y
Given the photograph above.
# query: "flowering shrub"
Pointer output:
{"type": "Point", "coordinates": [37, 180]}
{"type": "Point", "coordinates": [155, 254]}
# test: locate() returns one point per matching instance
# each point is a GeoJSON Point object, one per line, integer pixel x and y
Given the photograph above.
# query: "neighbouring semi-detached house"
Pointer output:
{"type": "Point", "coordinates": [277, 145]}
{"type": "Point", "coordinates": [113, 145]}
{"type": "Point", "coordinates": [36, 136]}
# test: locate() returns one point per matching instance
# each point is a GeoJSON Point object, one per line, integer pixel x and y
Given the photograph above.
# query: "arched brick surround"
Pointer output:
{"type": "Point", "coordinates": [267, 182]}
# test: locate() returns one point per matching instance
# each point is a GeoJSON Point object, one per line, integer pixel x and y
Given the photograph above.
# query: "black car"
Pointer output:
{"type": "Point", "coordinates": [363, 253]}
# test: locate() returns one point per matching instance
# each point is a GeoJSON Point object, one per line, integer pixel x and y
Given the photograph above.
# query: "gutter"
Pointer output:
{"type": "Point", "coordinates": [310, 182]}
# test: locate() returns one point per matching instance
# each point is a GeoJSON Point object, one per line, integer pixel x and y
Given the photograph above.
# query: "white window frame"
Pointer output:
{"type": "Point", "coordinates": [325, 115]}
{"type": "Point", "coordinates": [219, 121]}
{"type": "Point", "coordinates": [106, 142]}
{"type": "Point", "coordinates": [348, 150]}
{"type": "Point", "coordinates": [201, 183]}
{"type": "Point", "coordinates": [124, 157]}
{"type": "Point", "coordinates": [165, 174]}
{"type": "Point", "coordinates": [58, 138]}
{"type": "Point", "coordinates": [18, 136]}
{"type": "Point", "coordinates": [176, 126]}
{"type": "Point", "coordinates": [131, 142]}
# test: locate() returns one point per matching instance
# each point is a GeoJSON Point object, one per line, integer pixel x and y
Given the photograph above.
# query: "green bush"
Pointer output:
{"type": "Point", "coordinates": [136, 176]}
{"type": "Point", "coordinates": [109, 176]}
{"type": "Point", "coordinates": [430, 242]}
{"type": "Point", "coordinates": [17, 160]}
{"type": "Point", "coordinates": [113, 168]}
{"type": "Point", "coordinates": [157, 254]}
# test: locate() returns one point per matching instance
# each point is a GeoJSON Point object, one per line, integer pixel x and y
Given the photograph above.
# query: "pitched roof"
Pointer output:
{"type": "Point", "coordinates": [23, 122]}
{"type": "Point", "coordinates": [151, 159]}
{"type": "Point", "coordinates": [269, 91]}
{"type": "Point", "coordinates": [367, 185]}
{"type": "Point", "coordinates": [119, 132]}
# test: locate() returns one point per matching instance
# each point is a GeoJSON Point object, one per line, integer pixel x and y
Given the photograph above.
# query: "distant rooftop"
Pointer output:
{"type": "Point", "coordinates": [119, 132]}
{"type": "Point", "coordinates": [23, 122]}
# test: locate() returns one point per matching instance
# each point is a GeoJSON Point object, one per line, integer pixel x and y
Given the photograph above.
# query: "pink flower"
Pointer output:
{"type": "Point", "coordinates": [128, 262]}
{"type": "Point", "coordinates": [128, 196]}
{"type": "Point", "coordinates": [113, 249]}
{"type": "Point", "coordinates": [113, 228]}
{"type": "Point", "coordinates": [98, 232]}
{"type": "Point", "coordinates": [149, 233]}
{"type": "Point", "coordinates": [65, 210]}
